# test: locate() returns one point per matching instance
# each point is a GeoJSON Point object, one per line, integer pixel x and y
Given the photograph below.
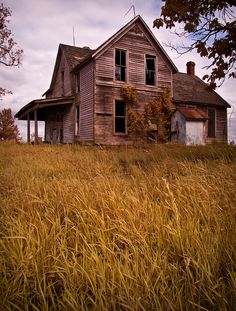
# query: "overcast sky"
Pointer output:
{"type": "Point", "coordinates": [40, 25]}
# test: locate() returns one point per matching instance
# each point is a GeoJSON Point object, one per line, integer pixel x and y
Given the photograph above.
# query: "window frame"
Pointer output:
{"type": "Point", "coordinates": [210, 134]}
{"type": "Point", "coordinates": [149, 70]}
{"type": "Point", "coordinates": [115, 117]}
{"type": "Point", "coordinates": [120, 66]}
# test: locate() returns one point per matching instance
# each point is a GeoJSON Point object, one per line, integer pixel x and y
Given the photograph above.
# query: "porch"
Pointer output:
{"type": "Point", "coordinates": [58, 115]}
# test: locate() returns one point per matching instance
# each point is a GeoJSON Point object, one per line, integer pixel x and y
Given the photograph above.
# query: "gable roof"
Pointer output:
{"type": "Point", "coordinates": [74, 55]}
{"type": "Point", "coordinates": [192, 114]}
{"type": "Point", "coordinates": [192, 90]}
{"type": "Point", "coordinates": [104, 46]}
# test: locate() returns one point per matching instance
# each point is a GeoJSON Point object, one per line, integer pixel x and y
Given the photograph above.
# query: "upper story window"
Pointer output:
{"type": "Point", "coordinates": [211, 122]}
{"type": "Point", "coordinates": [120, 117]}
{"type": "Point", "coordinates": [150, 70]}
{"type": "Point", "coordinates": [120, 65]}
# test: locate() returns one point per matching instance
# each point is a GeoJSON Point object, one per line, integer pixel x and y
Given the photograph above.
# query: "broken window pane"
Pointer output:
{"type": "Point", "coordinates": [120, 65]}
{"type": "Point", "coordinates": [150, 70]}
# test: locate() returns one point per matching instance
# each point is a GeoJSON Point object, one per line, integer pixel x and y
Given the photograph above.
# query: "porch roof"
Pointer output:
{"type": "Point", "coordinates": [42, 103]}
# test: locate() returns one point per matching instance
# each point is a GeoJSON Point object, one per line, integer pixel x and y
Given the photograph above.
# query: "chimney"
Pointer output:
{"type": "Point", "coordinates": [190, 68]}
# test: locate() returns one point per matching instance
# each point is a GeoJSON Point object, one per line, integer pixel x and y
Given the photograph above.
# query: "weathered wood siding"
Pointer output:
{"type": "Point", "coordinates": [58, 89]}
{"type": "Point", "coordinates": [137, 43]}
{"type": "Point", "coordinates": [221, 126]}
{"type": "Point", "coordinates": [86, 103]}
{"type": "Point", "coordinates": [52, 125]}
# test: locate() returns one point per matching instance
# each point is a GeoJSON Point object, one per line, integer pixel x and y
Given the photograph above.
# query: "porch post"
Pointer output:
{"type": "Point", "coordinates": [28, 128]}
{"type": "Point", "coordinates": [35, 126]}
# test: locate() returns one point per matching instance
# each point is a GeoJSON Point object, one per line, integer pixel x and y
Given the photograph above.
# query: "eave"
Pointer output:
{"type": "Point", "coordinates": [42, 103]}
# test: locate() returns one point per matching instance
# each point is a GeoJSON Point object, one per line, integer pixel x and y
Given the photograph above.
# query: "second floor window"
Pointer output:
{"type": "Point", "coordinates": [120, 65]}
{"type": "Point", "coordinates": [150, 70]}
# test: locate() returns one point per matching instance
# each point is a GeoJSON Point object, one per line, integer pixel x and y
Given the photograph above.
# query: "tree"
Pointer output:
{"type": "Point", "coordinates": [10, 53]}
{"type": "Point", "coordinates": [211, 27]}
{"type": "Point", "coordinates": [158, 115]}
{"type": "Point", "coordinates": [8, 129]}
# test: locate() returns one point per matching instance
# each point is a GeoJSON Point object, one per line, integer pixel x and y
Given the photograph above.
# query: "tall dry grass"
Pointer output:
{"type": "Point", "coordinates": [84, 228]}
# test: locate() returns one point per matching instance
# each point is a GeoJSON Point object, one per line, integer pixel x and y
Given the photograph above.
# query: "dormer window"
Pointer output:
{"type": "Point", "coordinates": [150, 70]}
{"type": "Point", "coordinates": [120, 65]}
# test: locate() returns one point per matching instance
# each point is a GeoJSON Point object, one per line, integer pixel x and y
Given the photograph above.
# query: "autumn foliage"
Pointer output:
{"type": "Point", "coordinates": [210, 27]}
{"type": "Point", "coordinates": [8, 129]}
{"type": "Point", "coordinates": [154, 121]}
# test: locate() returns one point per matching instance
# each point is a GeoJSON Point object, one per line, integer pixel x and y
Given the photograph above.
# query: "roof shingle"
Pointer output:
{"type": "Point", "coordinates": [191, 89]}
{"type": "Point", "coordinates": [75, 55]}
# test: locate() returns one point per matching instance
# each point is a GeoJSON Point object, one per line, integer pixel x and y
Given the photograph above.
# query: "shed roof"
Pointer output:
{"type": "Point", "coordinates": [192, 114]}
{"type": "Point", "coordinates": [191, 89]}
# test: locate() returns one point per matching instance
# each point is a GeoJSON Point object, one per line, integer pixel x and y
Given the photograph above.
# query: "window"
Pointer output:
{"type": "Point", "coordinates": [78, 81]}
{"type": "Point", "coordinates": [62, 83]}
{"type": "Point", "coordinates": [120, 117]}
{"type": "Point", "coordinates": [77, 123]}
{"type": "Point", "coordinates": [211, 122]}
{"type": "Point", "coordinates": [150, 70]}
{"type": "Point", "coordinates": [120, 65]}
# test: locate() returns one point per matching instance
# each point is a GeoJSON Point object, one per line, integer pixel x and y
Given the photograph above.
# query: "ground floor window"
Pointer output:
{"type": "Point", "coordinates": [211, 122]}
{"type": "Point", "coordinates": [120, 117]}
{"type": "Point", "coordinates": [77, 122]}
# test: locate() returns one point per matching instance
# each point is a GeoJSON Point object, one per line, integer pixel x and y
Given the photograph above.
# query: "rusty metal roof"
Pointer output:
{"type": "Point", "coordinates": [193, 114]}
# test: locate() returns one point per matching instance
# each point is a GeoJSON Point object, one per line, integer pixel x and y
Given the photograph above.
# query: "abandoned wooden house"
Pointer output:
{"type": "Point", "coordinates": [84, 102]}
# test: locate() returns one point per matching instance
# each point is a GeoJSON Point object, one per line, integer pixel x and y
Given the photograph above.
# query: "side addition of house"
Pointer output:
{"type": "Point", "coordinates": [84, 102]}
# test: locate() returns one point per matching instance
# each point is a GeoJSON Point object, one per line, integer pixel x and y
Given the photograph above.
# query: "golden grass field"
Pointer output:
{"type": "Point", "coordinates": [85, 228]}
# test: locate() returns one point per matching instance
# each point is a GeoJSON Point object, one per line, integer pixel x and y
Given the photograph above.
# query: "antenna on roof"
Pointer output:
{"type": "Point", "coordinates": [73, 35]}
{"type": "Point", "coordinates": [132, 7]}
